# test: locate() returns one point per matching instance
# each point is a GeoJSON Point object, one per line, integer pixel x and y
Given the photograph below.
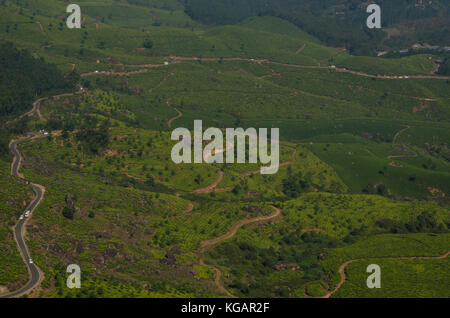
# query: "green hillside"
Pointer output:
{"type": "Point", "coordinates": [364, 152]}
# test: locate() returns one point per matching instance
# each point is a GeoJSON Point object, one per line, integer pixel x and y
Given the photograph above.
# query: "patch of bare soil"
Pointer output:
{"type": "Point", "coordinates": [301, 49]}
{"type": "Point", "coordinates": [212, 186]}
{"type": "Point", "coordinates": [3, 289]}
{"type": "Point", "coordinates": [436, 192]}
{"type": "Point", "coordinates": [189, 208]}
{"type": "Point", "coordinates": [293, 160]}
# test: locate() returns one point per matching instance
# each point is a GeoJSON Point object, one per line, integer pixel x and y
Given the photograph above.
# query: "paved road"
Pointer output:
{"type": "Point", "coordinates": [33, 270]}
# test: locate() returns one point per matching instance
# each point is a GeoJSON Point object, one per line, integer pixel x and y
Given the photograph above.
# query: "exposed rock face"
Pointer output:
{"type": "Point", "coordinates": [252, 209]}
{"type": "Point", "coordinates": [283, 265]}
{"type": "Point", "coordinates": [170, 256]}
{"type": "Point", "coordinates": [53, 247]}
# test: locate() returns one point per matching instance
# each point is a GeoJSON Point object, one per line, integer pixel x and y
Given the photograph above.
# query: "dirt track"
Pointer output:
{"type": "Point", "coordinates": [208, 243]}
{"type": "Point", "coordinates": [394, 143]}
{"type": "Point", "coordinates": [293, 160]}
{"type": "Point", "coordinates": [160, 82]}
{"type": "Point", "coordinates": [237, 226]}
{"type": "Point", "coordinates": [169, 123]}
{"type": "Point", "coordinates": [344, 265]}
{"type": "Point", "coordinates": [204, 245]}
{"type": "Point", "coordinates": [398, 134]}
{"type": "Point", "coordinates": [301, 49]}
{"type": "Point", "coordinates": [178, 59]}
{"type": "Point", "coordinates": [212, 186]}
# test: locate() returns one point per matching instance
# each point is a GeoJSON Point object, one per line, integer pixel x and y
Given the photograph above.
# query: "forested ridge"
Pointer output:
{"type": "Point", "coordinates": [22, 79]}
{"type": "Point", "coordinates": [337, 22]}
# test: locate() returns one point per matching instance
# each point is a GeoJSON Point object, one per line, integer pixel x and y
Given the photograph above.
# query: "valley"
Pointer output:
{"type": "Point", "coordinates": [363, 174]}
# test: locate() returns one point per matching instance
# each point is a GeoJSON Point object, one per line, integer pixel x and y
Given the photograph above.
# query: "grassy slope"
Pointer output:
{"type": "Point", "coordinates": [119, 36]}
{"type": "Point", "coordinates": [400, 278]}
{"type": "Point", "coordinates": [247, 257]}
{"type": "Point", "coordinates": [223, 93]}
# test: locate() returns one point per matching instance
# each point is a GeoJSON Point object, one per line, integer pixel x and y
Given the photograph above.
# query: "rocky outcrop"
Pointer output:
{"type": "Point", "coordinates": [284, 265]}
{"type": "Point", "coordinates": [170, 259]}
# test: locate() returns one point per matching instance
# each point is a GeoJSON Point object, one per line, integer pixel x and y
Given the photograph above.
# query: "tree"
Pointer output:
{"type": "Point", "coordinates": [68, 212]}
{"type": "Point", "coordinates": [148, 44]}
{"type": "Point", "coordinates": [294, 185]}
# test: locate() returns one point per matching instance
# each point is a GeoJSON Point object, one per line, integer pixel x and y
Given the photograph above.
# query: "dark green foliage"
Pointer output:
{"type": "Point", "coordinates": [23, 78]}
{"type": "Point", "coordinates": [294, 185]}
{"type": "Point", "coordinates": [68, 212]}
{"type": "Point", "coordinates": [335, 22]}
{"type": "Point", "coordinates": [444, 68]}
{"type": "Point", "coordinates": [150, 181]}
{"type": "Point", "coordinates": [93, 140]}
{"type": "Point", "coordinates": [148, 44]}
{"type": "Point", "coordinates": [252, 266]}
{"type": "Point", "coordinates": [426, 222]}
{"type": "Point", "coordinates": [19, 126]}
{"type": "Point", "coordinates": [4, 141]}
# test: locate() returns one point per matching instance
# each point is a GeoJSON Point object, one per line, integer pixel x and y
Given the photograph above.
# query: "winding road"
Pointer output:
{"type": "Point", "coordinates": [394, 143]}
{"type": "Point", "coordinates": [344, 266]}
{"type": "Point", "coordinates": [169, 123]}
{"type": "Point", "coordinates": [35, 275]}
{"type": "Point", "coordinates": [19, 230]}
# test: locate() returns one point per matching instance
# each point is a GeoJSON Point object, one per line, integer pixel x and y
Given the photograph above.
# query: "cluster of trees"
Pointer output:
{"type": "Point", "coordinates": [425, 222]}
{"type": "Point", "coordinates": [4, 141]}
{"type": "Point", "coordinates": [23, 78]}
{"type": "Point", "coordinates": [94, 140]}
{"type": "Point", "coordinates": [251, 265]}
{"type": "Point", "coordinates": [148, 44]}
{"type": "Point", "coordinates": [17, 127]}
{"type": "Point", "coordinates": [379, 189]}
{"type": "Point", "coordinates": [444, 68]}
{"type": "Point", "coordinates": [295, 184]}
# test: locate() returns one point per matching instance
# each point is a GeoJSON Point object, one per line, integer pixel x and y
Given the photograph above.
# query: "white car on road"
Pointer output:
{"type": "Point", "coordinates": [30, 261]}
{"type": "Point", "coordinates": [21, 217]}
{"type": "Point", "coordinates": [27, 213]}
